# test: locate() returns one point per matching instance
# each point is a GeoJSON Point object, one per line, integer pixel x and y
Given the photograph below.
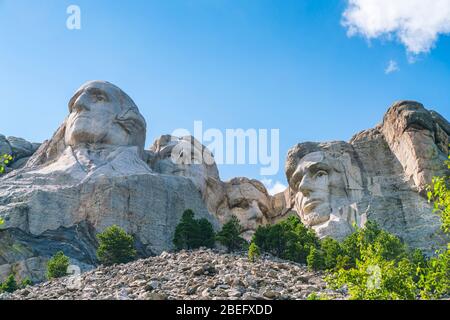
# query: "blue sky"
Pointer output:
{"type": "Point", "coordinates": [288, 65]}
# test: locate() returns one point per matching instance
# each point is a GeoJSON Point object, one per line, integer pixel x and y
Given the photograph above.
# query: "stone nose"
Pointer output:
{"type": "Point", "coordinates": [81, 104]}
{"type": "Point", "coordinates": [255, 211]}
{"type": "Point", "coordinates": [305, 186]}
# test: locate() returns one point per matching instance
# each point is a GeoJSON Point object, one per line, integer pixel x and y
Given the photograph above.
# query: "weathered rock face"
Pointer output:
{"type": "Point", "coordinates": [380, 175]}
{"type": "Point", "coordinates": [92, 173]}
{"type": "Point", "coordinates": [19, 148]}
{"type": "Point", "coordinates": [247, 199]}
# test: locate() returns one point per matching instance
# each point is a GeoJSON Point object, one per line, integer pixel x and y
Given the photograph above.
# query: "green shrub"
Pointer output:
{"type": "Point", "coordinates": [253, 252]}
{"type": "Point", "coordinates": [26, 282]}
{"type": "Point", "coordinates": [115, 246]}
{"type": "Point", "coordinates": [230, 235]}
{"type": "Point", "coordinates": [193, 234]}
{"type": "Point", "coordinates": [10, 285]}
{"type": "Point", "coordinates": [288, 239]}
{"type": "Point", "coordinates": [374, 278]}
{"type": "Point", "coordinates": [435, 277]}
{"type": "Point", "coordinates": [439, 194]}
{"type": "Point", "coordinates": [374, 264]}
{"type": "Point", "coordinates": [5, 160]}
{"type": "Point", "coordinates": [332, 253]}
{"type": "Point", "coordinates": [434, 282]}
{"type": "Point", "coordinates": [206, 234]}
{"type": "Point", "coordinates": [315, 259]}
{"type": "Point", "coordinates": [57, 266]}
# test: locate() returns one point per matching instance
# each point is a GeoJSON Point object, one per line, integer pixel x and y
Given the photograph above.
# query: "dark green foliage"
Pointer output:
{"type": "Point", "coordinates": [26, 282]}
{"type": "Point", "coordinates": [57, 266]}
{"type": "Point", "coordinates": [230, 235]}
{"type": "Point", "coordinates": [316, 259]}
{"type": "Point", "coordinates": [289, 240]}
{"type": "Point", "coordinates": [374, 264]}
{"type": "Point", "coordinates": [192, 234]}
{"type": "Point", "coordinates": [385, 244]}
{"type": "Point", "coordinates": [206, 234]}
{"type": "Point", "coordinates": [439, 194]}
{"type": "Point", "coordinates": [332, 253]}
{"type": "Point", "coordinates": [115, 246]}
{"type": "Point", "coordinates": [434, 278]}
{"type": "Point", "coordinates": [10, 285]}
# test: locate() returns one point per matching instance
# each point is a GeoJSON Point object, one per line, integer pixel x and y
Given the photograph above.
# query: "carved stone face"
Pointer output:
{"type": "Point", "coordinates": [319, 185]}
{"type": "Point", "coordinates": [101, 113]}
{"type": "Point", "coordinates": [185, 157]}
{"type": "Point", "coordinates": [249, 202]}
{"type": "Point", "coordinates": [413, 136]}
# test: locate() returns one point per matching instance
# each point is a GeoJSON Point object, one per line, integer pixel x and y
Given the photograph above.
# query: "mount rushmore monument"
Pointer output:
{"type": "Point", "coordinates": [95, 172]}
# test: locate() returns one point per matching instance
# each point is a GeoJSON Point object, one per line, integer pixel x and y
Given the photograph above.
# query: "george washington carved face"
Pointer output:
{"type": "Point", "coordinates": [101, 113]}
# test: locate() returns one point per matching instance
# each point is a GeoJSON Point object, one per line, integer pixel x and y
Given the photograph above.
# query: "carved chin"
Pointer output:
{"type": "Point", "coordinates": [320, 215]}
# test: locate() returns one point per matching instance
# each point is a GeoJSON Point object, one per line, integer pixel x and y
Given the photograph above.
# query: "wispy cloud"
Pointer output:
{"type": "Point", "coordinates": [392, 67]}
{"type": "Point", "coordinates": [273, 187]}
{"type": "Point", "coordinates": [416, 24]}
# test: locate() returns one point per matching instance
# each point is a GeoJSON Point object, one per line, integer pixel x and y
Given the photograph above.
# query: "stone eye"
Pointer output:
{"type": "Point", "coordinates": [243, 204]}
{"type": "Point", "coordinates": [321, 173]}
{"type": "Point", "coordinates": [97, 95]}
{"type": "Point", "coordinates": [100, 97]}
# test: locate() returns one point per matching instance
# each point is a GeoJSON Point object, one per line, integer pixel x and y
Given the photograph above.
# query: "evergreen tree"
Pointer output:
{"type": "Point", "coordinates": [115, 246]}
{"type": "Point", "coordinates": [230, 235]}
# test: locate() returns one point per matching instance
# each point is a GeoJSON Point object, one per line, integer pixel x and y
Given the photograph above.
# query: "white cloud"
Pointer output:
{"type": "Point", "coordinates": [273, 188]}
{"type": "Point", "coordinates": [392, 67]}
{"type": "Point", "coordinates": [417, 24]}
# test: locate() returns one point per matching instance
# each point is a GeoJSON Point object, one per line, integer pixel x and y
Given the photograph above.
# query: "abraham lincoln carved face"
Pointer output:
{"type": "Point", "coordinates": [102, 114]}
{"type": "Point", "coordinates": [325, 181]}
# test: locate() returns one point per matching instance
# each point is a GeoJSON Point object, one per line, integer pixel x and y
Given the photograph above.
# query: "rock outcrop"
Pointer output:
{"type": "Point", "coordinates": [203, 274]}
{"type": "Point", "coordinates": [380, 175]}
{"type": "Point", "coordinates": [19, 148]}
{"type": "Point", "coordinates": [95, 172]}
{"type": "Point", "coordinates": [91, 174]}
{"type": "Point", "coordinates": [245, 198]}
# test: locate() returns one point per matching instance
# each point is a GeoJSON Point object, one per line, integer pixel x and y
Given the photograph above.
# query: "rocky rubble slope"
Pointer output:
{"type": "Point", "coordinates": [203, 274]}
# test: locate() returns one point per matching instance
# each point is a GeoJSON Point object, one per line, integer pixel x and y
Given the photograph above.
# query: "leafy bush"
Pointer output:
{"type": "Point", "coordinates": [5, 160]}
{"type": "Point", "coordinates": [253, 252]}
{"type": "Point", "coordinates": [230, 235]}
{"type": "Point", "coordinates": [439, 194]}
{"type": "Point", "coordinates": [288, 239]}
{"type": "Point", "coordinates": [10, 285]}
{"type": "Point", "coordinates": [57, 266]}
{"type": "Point", "coordinates": [434, 281]}
{"type": "Point", "coordinates": [333, 254]}
{"type": "Point", "coordinates": [26, 282]}
{"type": "Point", "coordinates": [375, 278]}
{"type": "Point", "coordinates": [373, 264]}
{"type": "Point", "coordinates": [192, 234]}
{"type": "Point", "coordinates": [315, 259]}
{"type": "Point", "coordinates": [115, 246]}
{"type": "Point", "coordinates": [435, 276]}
